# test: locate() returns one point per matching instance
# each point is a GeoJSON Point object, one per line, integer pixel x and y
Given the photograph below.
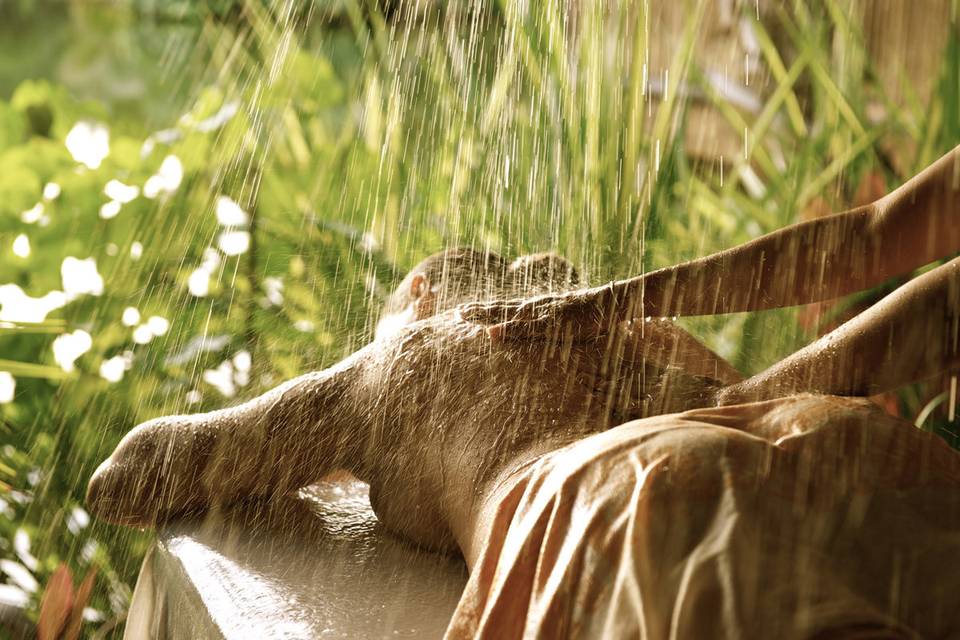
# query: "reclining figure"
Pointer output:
{"type": "Point", "coordinates": [575, 453]}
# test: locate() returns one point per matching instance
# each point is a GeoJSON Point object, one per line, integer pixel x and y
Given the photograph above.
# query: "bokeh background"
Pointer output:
{"type": "Point", "coordinates": [201, 199]}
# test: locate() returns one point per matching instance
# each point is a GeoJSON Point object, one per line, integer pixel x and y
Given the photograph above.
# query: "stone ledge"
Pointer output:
{"type": "Point", "coordinates": [318, 565]}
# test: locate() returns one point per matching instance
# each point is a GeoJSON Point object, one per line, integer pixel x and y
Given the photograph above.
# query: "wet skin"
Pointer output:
{"type": "Point", "coordinates": [431, 417]}
{"type": "Point", "coordinates": [912, 334]}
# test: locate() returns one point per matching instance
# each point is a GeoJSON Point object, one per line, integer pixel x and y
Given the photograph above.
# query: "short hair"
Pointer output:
{"type": "Point", "coordinates": [464, 274]}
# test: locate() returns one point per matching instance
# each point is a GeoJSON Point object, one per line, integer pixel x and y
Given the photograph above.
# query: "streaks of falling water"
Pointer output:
{"type": "Point", "coordinates": [292, 161]}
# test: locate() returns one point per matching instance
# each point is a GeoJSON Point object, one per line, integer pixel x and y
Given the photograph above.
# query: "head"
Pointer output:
{"type": "Point", "coordinates": [455, 276]}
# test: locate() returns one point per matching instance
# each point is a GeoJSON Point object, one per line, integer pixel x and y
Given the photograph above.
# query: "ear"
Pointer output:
{"type": "Point", "coordinates": [419, 286]}
{"type": "Point", "coordinates": [423, 302]}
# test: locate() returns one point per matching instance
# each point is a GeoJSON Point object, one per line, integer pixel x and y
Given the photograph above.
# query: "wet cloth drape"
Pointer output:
{"type": "Point", "coordinates": [807, 517]}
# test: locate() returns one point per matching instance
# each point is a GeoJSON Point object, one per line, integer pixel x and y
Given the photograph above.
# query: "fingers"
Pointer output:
{"type": "Point", "coordinates": [728, 396]}
{"type": "Point", "coordinates": [154, 473]}
{"type": "Point", "coordinates": [475, 312]}
{"type": "Point", "coordinates": [535, 318]}
{"type": "Point", "coordinates": [533, 323]}
{"type": "Point", "coordinates": [504, 320]}
{"type": "Point", "coordinates": [273, 444]}
{"type": "Point", "coordinates": [495, 313]}
{"type": "Point", "coordinates": [516, 330]}
{"type": "Point", "coordinates": [749, 390]}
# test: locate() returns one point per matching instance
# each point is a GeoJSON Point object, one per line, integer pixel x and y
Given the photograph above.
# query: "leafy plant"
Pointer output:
{"type": "Point", "coordinates": [245, 227]}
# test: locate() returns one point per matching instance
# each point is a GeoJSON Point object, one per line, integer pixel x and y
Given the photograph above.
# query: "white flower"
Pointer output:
{"type": "Point", "coordinates": [80, 277]}
{"type": "Point", "coordinates": [20, 575]}
{"type": "Point", "coordinates": [33, 214]}
{"type": "Point", "coordinates": [142, 334]}
{"type": "Point", "coordinates": [21, 545]}
{"type": "Point", "coordinates": [70, 346]}
{"type": "Point", "coordinates": [241, 365]}
{"type": "Point", "coordinates": [233, 243]}
{"type": "Point", "coordinates": [214, 122]}
{"type": "Point", "coordinates": [88, 143]}
{"type": "Point", "coordinates": [51, 191]}
{"type": "Point", "coordinates": [229, 213]}
{"type": "Point", "coordinates": [14, 596]}
{"type": "Point", "coordinates": [130, 316]}
{"type": "Point", "coordinates": [221, 378]}
{"type": "Point", "coordinates": [110, 209]}
{"type": "Point", "coordinates": [305, 326]}
{"type": "Point", "coordinates": [112, 370]}
{"type": "Point", "coordinates": [274, 289]}
{"type": "Point", "coordinates": [368, 243]}
{"type": "Point", "coordinates": [158, 325]}
{"type": "Point", "coordinates": [21, 246]}
{"type": "Point", "coordinates": [8, 387]}
{"type": "Point", "coordinates": [122, 193]}
{"type": "Point", "coordinates": [89, 550]}
{"type": "Point", "coordinates": [77, 520]}
{"type": "Point", "coordinates": [136, 251]}
{"type": "Point", "coordinates": [211, 259]}
{"type": "Point", "coordinates": [166, 180]}
{"type": "Point", "coordinates": [17, 306]}
{"type": "Point", "coordinates": [242, 361]}
{"type": "Point", "coordinates": [199, 282]}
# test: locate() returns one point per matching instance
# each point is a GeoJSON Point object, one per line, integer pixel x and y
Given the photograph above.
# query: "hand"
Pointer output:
{"type": "Point", "coordinates": [156, 473]}
{"type": "Point", "coordinates": [585, 313]}
{"type": "Point", "coordinates": [756, 389]}
{"type": "Point", "coordinates": [734, 394]}
{"type": "Point", "coordinates": [271, 445]}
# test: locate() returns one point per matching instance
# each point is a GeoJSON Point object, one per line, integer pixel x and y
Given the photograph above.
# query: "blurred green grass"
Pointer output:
{"type": "Point", "coordinates": [358, 143]}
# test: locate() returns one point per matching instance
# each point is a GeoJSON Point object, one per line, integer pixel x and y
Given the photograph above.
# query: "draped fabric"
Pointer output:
{"type": "Point", "coordinates": [806, 517]}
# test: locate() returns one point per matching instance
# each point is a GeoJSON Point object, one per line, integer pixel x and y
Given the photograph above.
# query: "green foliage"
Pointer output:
{"type": "Point", "coordinates": [356, 147]}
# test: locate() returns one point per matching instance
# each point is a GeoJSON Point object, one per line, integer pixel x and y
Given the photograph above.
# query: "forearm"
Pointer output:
{"type": "Point", "coordinates": [910, 335]}
{"type": "Point", "coordinates": [920, 221]}
{"type": "Point", "coordinates": [814, 260]}
{"type": "Point", "coordinates": [286, 438]}
{"type": "Point", "coordinates": [270, 445]}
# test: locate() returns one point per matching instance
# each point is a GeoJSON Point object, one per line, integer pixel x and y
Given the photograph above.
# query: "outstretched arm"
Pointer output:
{"type": "Point", "coordinates": [186, 464]}
{"type": "Point", "coordinates": [910, 335]}
{"type": "Point", "coordinates": [819, 259]}
{"type": "Point", "coordinates": [807, 262]}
